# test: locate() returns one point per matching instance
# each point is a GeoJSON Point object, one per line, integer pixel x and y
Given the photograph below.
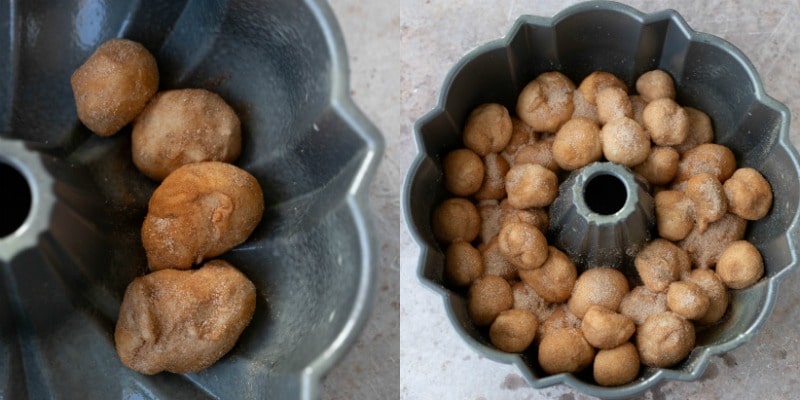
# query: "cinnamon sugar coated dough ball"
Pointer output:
{"type": "Point", "coordinates": [715, 290]}
{"type": "Point", "coordinates": [456, 219]}
{"type": "Point", "coordinates": [564, 350]}
{"type": "Point", "coordinates": [537, 217]}
{"type": "Point", "coordinates": [666, 121]}
{"type": "Point", "coordinates": [513, 330]}
{"type": "Point", "coordinates": [531, 185]}
{"type": "Point", "coordinates": [597, 81]}
{"type": "Point", "coordinates": [488, 297]}
{"type": "Point", "coordinates": [584, 109]}
{"type": "Point", "coordinates": [598, 286]}
{"type": "Point", "coordinates": [654, 85]}
{"type": "Point", "coordinates": [687, 300]}
{"type": "Point", "coordinates": [705, 248]}
{"type": "Point", "coordinates": [539, 152]}
{"type": "Point", "coordinates": [710, 158]}
{"type": "Point", "coordinates": [200, 211]}
{"type": "Point", "coordinates": [740, 265]}
{"type": "Point", "coordinates": [660, 165]}
{"type": "Point", "coordinates": [184, 126]}
{"type": "Point", "coordinates": [546, 102]}
{"type": "Point", "coordinates": [560, 318]}
{"type": "Point", "coordinates": [617, 366]}
{"type": "Point", "coordinates": [554, 280]}
{"type": "Point", "coordinates": [577, 144]}
{"type": "Point", "coordinates": [625, 142]}
{"type": "Point", "coordinates": [488, 129]}
{"type": "Point", "coordinates": [749, 195]}
{"type": "Point", "coordinates": [660, 263]}
{"type": "Point", "coordinates": [495, 262]}
{"type": "Point", "coordinates": [463, 172]}
{"type": "Point", "coordinates": [463, 263]}
{"type": "Point", "coordinates": [640, 303]}
{"type": "Point", "coordinates": [708, 198]}
{"type": "Point", "coordinates": [525, 298]}
{"type": "Point", "coordinates": [521, 135]}
{"type": "Point", "coordinates": [491, 217]}
{"type": "Point", "coordinates": [674, 214]}
{"type": "Point", "coordinates": [183, 321]}
{"type": "Point", "coordinates": [606, 329]}
{"type": "Point", "coordinates": [523, 245]}
{"type": "Point", "coordinates": [494, 186]}
{"type": "Point", "coordinates": [700, 130]}
{"type": "Point", "coordinates": [613, 103]}
{"type": "Point", "coordinates": [113, 86]}
{"type": "Point", "coordinates": [664, 340]}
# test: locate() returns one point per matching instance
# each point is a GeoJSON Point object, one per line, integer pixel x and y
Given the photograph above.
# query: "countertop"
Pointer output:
{"type": "Point", "coordinates": [435, 362]}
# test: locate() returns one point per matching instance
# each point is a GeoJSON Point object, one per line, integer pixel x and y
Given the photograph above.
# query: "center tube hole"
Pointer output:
{"type": "Point", "coordinates": [15, 202]}
{"type": "Point", "coordinates": [605, 194]}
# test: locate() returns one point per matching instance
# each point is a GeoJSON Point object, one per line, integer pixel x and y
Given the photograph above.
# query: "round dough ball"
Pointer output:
{"type": "Point", "coordinates": [488, 129]}
{"type": "Point", "coordinates": [456, 219]}
{"type": "Point", "coordinates": [617, 366]}
{"type": "Point", "coordinates": [183, 321]}
{"type": "Point", "coordinates": [184, 126]}
{"type": "Point", "coordinates": [494, 185]}
{"type": "Point", "coordinates": [625, 142]}
{"type": "Point", "coordinates": [700, 130]}
{"type": "Point", "coordinates": [525, 298]}
{"type": "Point", "coordinates": [200, 211]}
{"type": "Point", "coordinates": [463, 263]}
{"type": "Point", "coordinates": [583, 109]}
{"type": "Point", "coordinates": [674, 214]}
{"type": "Point", "coordinates": [513, 330]}
{"type": "Point", "coordinates": [687, 300]}
{"type": "Point", "coordinates": [546, 102]}
{"type": "Point", "coordinates": [488, 297]}
{"type": "Point", "coordinates": [613, 103]}
{"type": "Point", "coordinates": [660, 263]}
{"type": "Point", "coordinates": [660, 165]}
{"type": "Point", "coordinates": [708, 198]}
{"type": "Point", "coordinates": [523, 245]}
{"type": "Point", "coordinates": [710, 158]}
{"type": "Point", "coordinates": [740, 265]}
{"type": "Point", "coordinates": [564, 350]}
{"type": "Point", "coordinates": [715, 290]}
{"type": "Point", "coordinates": [577, 144]}
{"type": "Point", "coordinates": [705, 248]}
{"type": "Point", "coordinates": [531, 185]}
{"type": "Point", "coordinates": [664, 340]}
{"type": "Point", "coordinates": [113, 86]}
{"type": "Point", "coordinates": [640, 303]}
{"type": "Point", "coordinates": [491, 220]}
{"type": "Point", "coordinates": [597, 81]}
{"type": "Point", "coordinates": [521, 135]}
{"type": "Point", "coordinates": [749, 195]}
{"type": "Point", "coordinates": [494, 262]}
{"type": "Point", "coordinates": [539, 152]}
{"type": "Point", "coordinates": [560, 318]}
{"type": "Point", "coordinates": [606, 329]}
{"type": "Point", "coordinates": [555, 279]}
{"type": "Point", "coordinates": [654, 85]}
{"type": "Point", "coordinates": [598, 286]}
{"type": "Point", "coordinates": [463, 172]}
{"type": "Point", "coordinates": [537, 217]}
{"type": "Point", "coordinates": [666, 121]}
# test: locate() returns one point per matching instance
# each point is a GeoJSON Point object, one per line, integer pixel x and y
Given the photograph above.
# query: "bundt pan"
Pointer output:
{"type": "Point", "coordinates": [710, 74]}
{"type": "Point", "coordinates": [73, 203]}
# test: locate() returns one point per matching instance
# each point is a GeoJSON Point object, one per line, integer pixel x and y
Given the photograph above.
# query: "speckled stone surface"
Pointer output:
{"type": "Point", "coordinates": [435, 362]}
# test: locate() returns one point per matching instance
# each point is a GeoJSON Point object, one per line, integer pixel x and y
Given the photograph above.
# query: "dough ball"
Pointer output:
{"type": "Point", "coordinates": [463, 172]}
{"type": "Point", "coordinates": [584, 109]}
{"type": "Point", "coordinates": [494, 186]}
{"type": "Point", "coordinates": [666, 121]}
{"type": "Point", "coordinates": [710, 158]}
{"type": "Point", "coordinates": [640, 303]}
{"type": "Point", "coordinates": [564, 350]}
{"type": "Point", "coordinates": [749, 195]}
{"type": "Point", "coordinates": [598, 286]}
{"type": "Point", "coordinates": [654, 85]}
{"type": "Point", "coordinates": [597, 81]}
{"type": "Point", "coordinates": [617, 366]}
{"type": "Point", "coordinates": [700, 130]}
{"type": "Point", "coordinates": [638, 104]}
{"type": "Point", "coordinates": [521, 134]}
{"type": "Point", "coordinates": [560, 318]}
{"type": "Point", "coordinates": [740, 265]}
{"type": "Point", "coordinates": [625, 142]}
{"type": "Point", "coordinates": [523, 245]}
{"type": "Point", "coordinates": [613, 103]}
{"type": "Point", "coordinates": [555, 279]}
{"type": "Point", "coordinates": [531, 185]}
{"type": "Point", "coordinates": [200, 211]}
{"type": "Point", "coordinates": [705, 248]}
{"type": "Point", "coordinates": [513, 330]}
{"type": "Point", "coordinates": [708, 198]}
{"type": "Point", "coordinates": [463, 263]}
{"type": "Point", "coordinates": [546, 102]}
{"type": "Point", "coordinates": [495, 262]}
{"type": "Point", "coordinates": [488, 129]}
{"type": "Point", "coordinates": [112, 87]}
{"type": "Point", "coordinates": [674, 214]}
{"type": "Point", "coordinates": [606, 329]}
{"type": "Point", "coordinates": [537, 217]}
{"type": "Point", "coordinates": [687, 300]}
{"type": "Point", "coordinates": [456, 219]}
{"type": "Point", "coordinates": [184, 126]}
{"type": "Point", "coordinates": [660, 165]}
{"type": "Point", "coordinates": [525, 298]}
{"type": "Point", "coordinates": [715, 290]}
{"type": "Point", "coordinates": [488, 297]}
{"type": "Point", "coordinates": [664, 340]}
{"type": "Point", "coordinates": [577, 144]}
{"type": "Point", "coordinates": [539, 152]}
{"type": "Point", "coordinates": [660, 263]}
{"type": "Point", "coordinates": [183, 321]}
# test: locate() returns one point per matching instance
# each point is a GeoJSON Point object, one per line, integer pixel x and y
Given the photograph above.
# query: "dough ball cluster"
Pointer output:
{"type": "Point", "coordinates": [526, 293]}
